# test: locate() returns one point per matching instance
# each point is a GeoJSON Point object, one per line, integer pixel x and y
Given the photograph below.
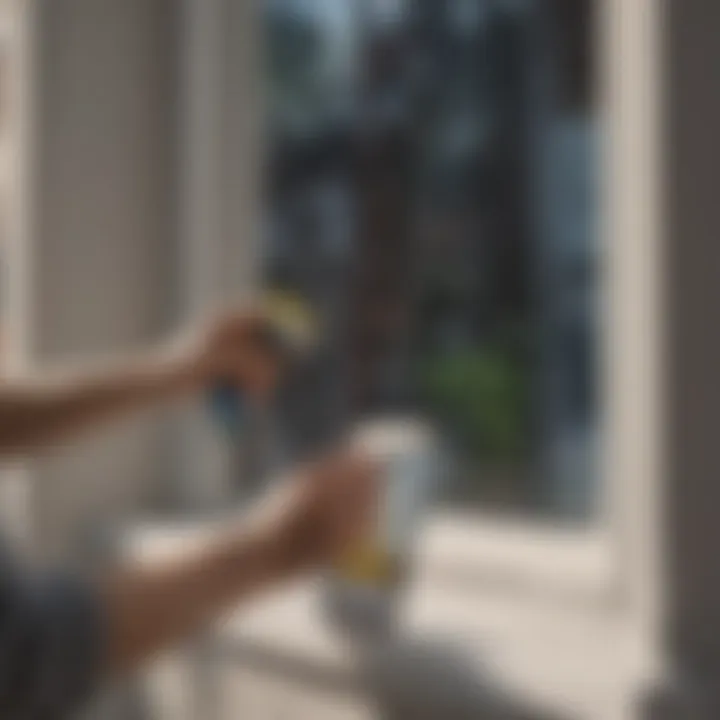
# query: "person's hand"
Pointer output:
{"type": "Point", "coordinates": [317, 514]}
{"type": "Point", "coordinates": [229, 347]}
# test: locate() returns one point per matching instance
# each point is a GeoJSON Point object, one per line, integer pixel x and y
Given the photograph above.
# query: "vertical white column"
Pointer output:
{"type": "Point", "coordinates": [244, 148]}
{"type": "Point", "coordinates": [633, 321]}
{"type": "Point", "coordinates": [635, 325]}
{"type": "Point", "coordinates": [203, 462]}
{"type": "Point", "coordinates": [221, 199]}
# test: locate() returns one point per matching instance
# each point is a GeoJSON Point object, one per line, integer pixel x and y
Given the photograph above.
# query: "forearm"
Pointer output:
{"type": "Point", "coordinates": [62, 637]}
{"type": "Point", "coordinates": [150, 608]}
{"type": "Point", "coordinates": [38, 413]}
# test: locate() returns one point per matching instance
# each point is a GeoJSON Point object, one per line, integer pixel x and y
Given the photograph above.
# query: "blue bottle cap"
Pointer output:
{"type": "Point", "coordinates": [227, 407]}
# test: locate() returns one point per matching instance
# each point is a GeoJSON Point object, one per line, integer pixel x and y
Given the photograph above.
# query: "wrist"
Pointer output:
{"type": "Point", "coordinates": [273, 531]}
{"type": "Point", "coordinates": [250, 560]}
{"type": "Point", "coordinates": [179, 371]}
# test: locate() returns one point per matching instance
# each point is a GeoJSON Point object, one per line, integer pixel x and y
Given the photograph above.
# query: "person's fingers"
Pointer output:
{"type": "Point", "coordinates": [259, 375]}
{"type": "Point", "coordinates": [364, 504]}
{"type": "Point", "coordinates": [326, 506]}
{"type": "Point", "coordinates": [345, 487]}
{"type": "Point", "coordinates": [236, 320]}
{"type": "Point", "coordinates": [353, 503]}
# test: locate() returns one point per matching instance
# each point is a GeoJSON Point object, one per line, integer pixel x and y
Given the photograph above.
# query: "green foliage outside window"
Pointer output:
{"type": "Point", "coordinates": [483, 395]}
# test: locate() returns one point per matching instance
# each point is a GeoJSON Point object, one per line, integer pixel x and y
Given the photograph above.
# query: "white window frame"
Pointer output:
{"type": "Point", "coordinates": [613, 559]}
{"type": "Point", "coordinates": [221, 93]}
{"type": "Point", "coordinates": [613, 562]}
{"type": "Point", "coordinates": [608, 558]}
{"type": "Point", "coordinates": [217, 268]}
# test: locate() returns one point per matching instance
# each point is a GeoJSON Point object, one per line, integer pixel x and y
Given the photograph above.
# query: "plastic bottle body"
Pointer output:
{"type": "Point", "coordinates": [366, 583]}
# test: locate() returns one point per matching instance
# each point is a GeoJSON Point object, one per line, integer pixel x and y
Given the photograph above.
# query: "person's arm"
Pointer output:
{"type": "Point", "coordinates": [304, 524]}
{"type": "Point", "coordinates": [150, 607]}
{"type": "Point", "coordinates": [37, 413]}
{"type": "Point", "coordinates": [61, 638]}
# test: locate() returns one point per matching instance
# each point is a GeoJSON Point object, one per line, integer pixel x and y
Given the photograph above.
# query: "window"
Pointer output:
{"type": "Point", "coordinates": [605, 409]}
{"type": "Point", "coordinates": [630, 356]}
{"type": "Point", "coordinates": [432, 192]}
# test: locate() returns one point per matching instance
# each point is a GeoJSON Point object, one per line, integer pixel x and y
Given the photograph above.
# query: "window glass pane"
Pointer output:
{"type": "Point", "coordinates": [432, 191]}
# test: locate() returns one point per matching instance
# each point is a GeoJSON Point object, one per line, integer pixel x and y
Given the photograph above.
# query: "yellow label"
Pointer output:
{"type": "Point", "coordinates": [369, 564]}
{"type": "Point", "coordinates": [292, 315]}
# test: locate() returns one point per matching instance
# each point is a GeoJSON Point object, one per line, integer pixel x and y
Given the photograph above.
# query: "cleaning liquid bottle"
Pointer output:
{"type": "Point", "coordinates": [366, 583]}
{"type": "Point", "coordinates": [289, 334]}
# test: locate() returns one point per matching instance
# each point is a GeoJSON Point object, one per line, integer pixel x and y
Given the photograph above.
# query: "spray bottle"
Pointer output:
{"type": "Point", "coordinates": [364, 584]}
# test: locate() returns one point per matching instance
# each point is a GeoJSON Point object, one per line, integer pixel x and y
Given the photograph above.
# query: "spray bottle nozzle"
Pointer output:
{"type": "Point", "coordinates": [289, 335]}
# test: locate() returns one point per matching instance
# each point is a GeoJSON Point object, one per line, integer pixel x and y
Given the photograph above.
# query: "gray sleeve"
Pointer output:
{"type": "Point", "coordinates": [51, 645]}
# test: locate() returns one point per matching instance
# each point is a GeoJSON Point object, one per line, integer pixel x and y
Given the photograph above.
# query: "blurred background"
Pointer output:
{"type": "Point", "coordinates": [430, 188]}
{"type": "Point", "coordinates": [423, 173]}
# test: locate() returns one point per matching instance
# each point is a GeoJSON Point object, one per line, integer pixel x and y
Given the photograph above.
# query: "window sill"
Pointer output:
{"type": "Point", "coordinates": [466, 551]}
{"type": "Point", "coordinates": [473, 649]}
{"type": "Point", "coordinates": [470, 647]}
{"type": "Point", "coordinates": [472, 550]}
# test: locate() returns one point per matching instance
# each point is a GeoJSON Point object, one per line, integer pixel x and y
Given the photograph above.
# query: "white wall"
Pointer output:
{"type": "Point", "coordinates": [104, 259]}
{"type": "Point", "coordinates": [145, 208]}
